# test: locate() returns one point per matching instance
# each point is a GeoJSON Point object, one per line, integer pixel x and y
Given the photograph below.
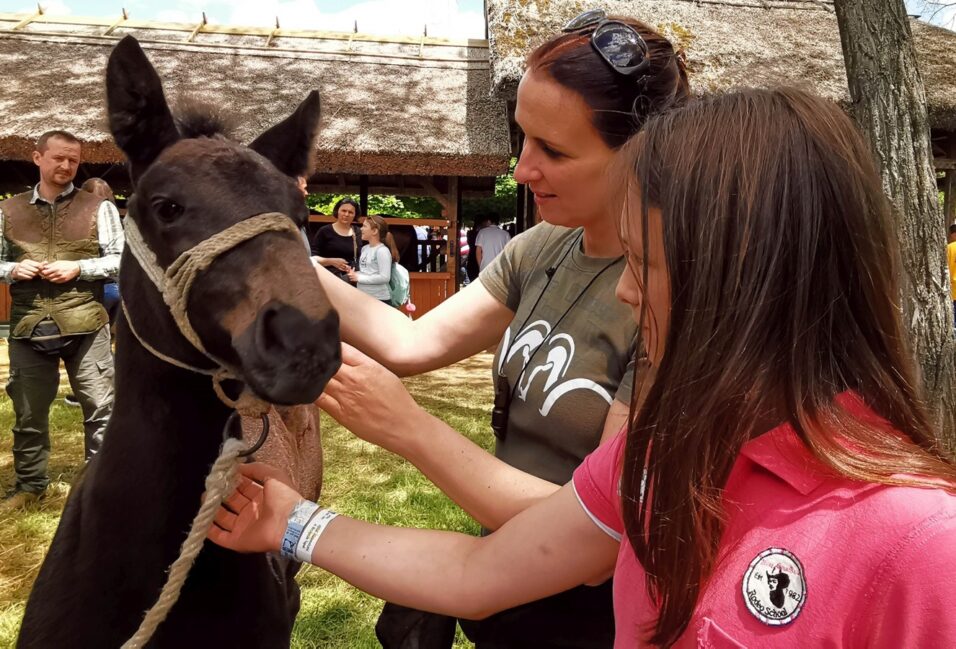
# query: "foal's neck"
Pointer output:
{"type": "Point", "coordinates": [166, 424]}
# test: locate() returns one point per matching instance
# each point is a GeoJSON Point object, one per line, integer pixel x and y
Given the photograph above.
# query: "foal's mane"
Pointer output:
{"type": "Point", "coordinates": [197, 118]}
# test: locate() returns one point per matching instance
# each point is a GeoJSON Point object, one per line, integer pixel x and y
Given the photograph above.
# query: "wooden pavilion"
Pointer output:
{"type": "Point", "coordinates": [404, 116]}
{"type": "Point", "coordinates": [734, 43]}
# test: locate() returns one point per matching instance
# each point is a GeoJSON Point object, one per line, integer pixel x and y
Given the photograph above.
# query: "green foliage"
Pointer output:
{"type": "Point", "coordinates": [502, 204]}
{"type": "Point", "coordinates": [407, 207]}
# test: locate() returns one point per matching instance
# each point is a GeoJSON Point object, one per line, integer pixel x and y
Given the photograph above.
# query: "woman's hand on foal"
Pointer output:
{"type": "Point", "coordinates": [370, 401]}
{"type": "Point", "coordinates": [254, 517]}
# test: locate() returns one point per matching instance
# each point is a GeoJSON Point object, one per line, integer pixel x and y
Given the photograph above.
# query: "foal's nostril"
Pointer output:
{"type": "Point", "coordinates": [288, 357]}
{"type": "Point", "coordinates": [280, 328]}
{"type": "Point", "coordinates": [268, 329]}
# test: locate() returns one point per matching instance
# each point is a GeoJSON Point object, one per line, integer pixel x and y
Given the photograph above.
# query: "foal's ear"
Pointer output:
{"type": "Point", "coordinates": [140, 119]}
{"type": "Point", "coordinates": [288, 144]}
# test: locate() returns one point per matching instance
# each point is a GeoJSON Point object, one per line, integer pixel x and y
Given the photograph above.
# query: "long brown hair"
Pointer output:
{"type": "Point", "coordinates": [620, 104]}
{"type": "Point", "coordinates": [381, 226]}
{"type": "Point", "coordinates": [783, 266]}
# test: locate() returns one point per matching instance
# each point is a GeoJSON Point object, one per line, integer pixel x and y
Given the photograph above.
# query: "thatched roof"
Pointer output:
{"type": "Point", "coordinates": [729, 43]}
{"type": "Point", "coordinates": [399, 106]}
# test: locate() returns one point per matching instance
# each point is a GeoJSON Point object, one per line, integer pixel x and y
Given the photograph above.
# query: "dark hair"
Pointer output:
{"type": "Point", "coordinates": [378, 223]}
{"type": "Point", "coordinates": [620, 104]}
{"type": "Point", "coordinates": [784, 267]}
{"type": "Point", "coordinates": [99, 187]}
{"type": "Point", "coordinates": [63, 135]}
{"type": "Point", "coordinates": [952, 228]}
{"type": "Point", "coordinates": [345, 201]}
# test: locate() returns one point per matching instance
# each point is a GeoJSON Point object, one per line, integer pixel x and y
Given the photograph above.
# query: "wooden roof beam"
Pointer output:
{"type": "Point", "coordinates": [198, 28]}
{"type": "Point", "coordinates": [247, 31]}
{"type": "Point", "coordinates": [432, 191]}
{"type": "Point", "coordinates": [29, 19]}
{"type": "Point", "coordinates": [123, 18]}
{"type": "Point", "coordinates": [944, 164]}
{"type": "Point", "coordinates": [273, 33]}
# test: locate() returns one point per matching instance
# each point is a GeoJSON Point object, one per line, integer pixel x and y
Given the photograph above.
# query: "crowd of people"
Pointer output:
{"type": "Point", "coordinates": [708, 423]}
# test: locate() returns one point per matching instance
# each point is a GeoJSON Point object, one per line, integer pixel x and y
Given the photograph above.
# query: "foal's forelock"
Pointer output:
{"type": "Point", "coordinates": [196, 118]}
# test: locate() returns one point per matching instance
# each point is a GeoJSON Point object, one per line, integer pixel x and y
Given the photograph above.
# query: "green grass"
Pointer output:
{"type": "Point", "coordinates": [360, 480]}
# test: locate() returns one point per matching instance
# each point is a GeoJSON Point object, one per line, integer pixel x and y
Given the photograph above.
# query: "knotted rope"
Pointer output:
{"type": "Point", "coordinates": [174, 284]}
{"type": "Point", "coordinates": [219, 483]}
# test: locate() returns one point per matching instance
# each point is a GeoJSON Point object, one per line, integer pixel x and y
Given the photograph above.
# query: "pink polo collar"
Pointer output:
{"type": "Point", "coordinates": [781, 451]}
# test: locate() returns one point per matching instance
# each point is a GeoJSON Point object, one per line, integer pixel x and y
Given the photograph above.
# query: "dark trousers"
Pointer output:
{"type": "Point", "coordinates": [581, 618]}
{"type": "Point", "coordinates": [34, 379]}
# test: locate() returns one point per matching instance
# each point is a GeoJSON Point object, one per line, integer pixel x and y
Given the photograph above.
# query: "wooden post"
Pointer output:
{"type": "Point", "coordinates": [949, 185]}
{"type": "Point", "coordinates": [363, 195]}
{"type": "Point", "coordinates": [454, 232]}
{"type": "Point", "coordinates": [949, 201]}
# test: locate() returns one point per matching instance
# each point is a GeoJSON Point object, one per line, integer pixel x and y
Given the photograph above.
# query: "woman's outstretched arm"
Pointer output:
{"type": "Point", "coordinates": [544, 550]}
{"type": "Point", "coordinates": [461, 326]}
{"type": "Point", "coordinates": [372, 402]}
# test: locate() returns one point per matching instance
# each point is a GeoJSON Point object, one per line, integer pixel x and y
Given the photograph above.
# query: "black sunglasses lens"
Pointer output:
{"type": "Point", "coordinates": [587, 19]}
{"type": "Point", "coordinates": [620, 45]}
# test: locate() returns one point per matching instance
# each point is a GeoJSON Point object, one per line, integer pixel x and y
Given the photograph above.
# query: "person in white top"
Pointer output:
{"type": "Point", "coordinates": [490, 242]}
{"type": "Point", "coordinates": [375, 261]}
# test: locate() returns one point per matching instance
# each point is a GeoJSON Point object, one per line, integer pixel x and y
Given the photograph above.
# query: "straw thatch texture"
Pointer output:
{"type": "Point", "coordinates": [729, 43]}
{"type": "Point", "coordinates": [388, 108]}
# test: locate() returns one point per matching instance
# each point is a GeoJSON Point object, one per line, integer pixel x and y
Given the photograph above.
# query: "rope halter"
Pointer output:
{"type": "Point", "coordinates": [175, 283]}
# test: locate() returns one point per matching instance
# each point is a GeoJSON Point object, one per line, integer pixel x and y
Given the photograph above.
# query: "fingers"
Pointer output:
{"type": "Point", "coordinates": [218, 535]}
{"type": "Point", "coordinates": [328, 403]}
{"type": "Point", "coordinates": [225, 519]}
{"type": "Point", "coordinates": [259, 472]}
{"type": "Point", "coordinates": [246, 491]}
{"type": "Point", "coordinates": [352, 356]}
{"type": "Point", "coordinates": [27, 269]}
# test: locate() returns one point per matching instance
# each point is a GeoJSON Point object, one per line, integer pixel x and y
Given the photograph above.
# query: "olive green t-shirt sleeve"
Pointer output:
{"type": "Point", "coordinates": [506, 275]}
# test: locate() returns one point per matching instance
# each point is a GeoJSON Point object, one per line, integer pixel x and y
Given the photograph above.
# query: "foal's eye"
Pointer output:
{"type": "Point", "coordinates": [168, 211]}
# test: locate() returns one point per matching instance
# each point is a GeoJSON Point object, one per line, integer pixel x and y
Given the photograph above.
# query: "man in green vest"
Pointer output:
{"type": "Point", "coordinates": [58, 244]}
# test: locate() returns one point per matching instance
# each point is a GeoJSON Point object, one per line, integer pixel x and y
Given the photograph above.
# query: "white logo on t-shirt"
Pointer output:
{"type": "Point", "coordinates": [551, 362]}
{"type": "Point", "coordinates": [774, 587]}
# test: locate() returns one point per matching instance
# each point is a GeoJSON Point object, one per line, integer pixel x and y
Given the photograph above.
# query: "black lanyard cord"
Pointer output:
{"type": "Point", "coordinates": [554, 327]}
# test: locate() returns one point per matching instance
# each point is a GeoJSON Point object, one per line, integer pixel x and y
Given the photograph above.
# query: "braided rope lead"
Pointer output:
{"type": "Point", "coordinates": [219, 484]}
{"type": "Point", "coordinates": [174, 285]}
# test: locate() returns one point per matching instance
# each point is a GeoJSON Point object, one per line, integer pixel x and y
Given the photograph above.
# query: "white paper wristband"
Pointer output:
{"type": "Point", "coordinates": [311, 533]}
{"type": "Point", "coordinates": [301, 514]}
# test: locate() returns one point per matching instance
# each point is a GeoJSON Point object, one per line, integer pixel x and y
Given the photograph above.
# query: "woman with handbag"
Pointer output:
{"type": "Point", "coordinates": [337, 245]}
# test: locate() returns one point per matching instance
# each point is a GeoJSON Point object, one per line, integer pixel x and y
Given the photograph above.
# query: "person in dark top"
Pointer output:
{"type": "Point", "coordinates": [336, 245]}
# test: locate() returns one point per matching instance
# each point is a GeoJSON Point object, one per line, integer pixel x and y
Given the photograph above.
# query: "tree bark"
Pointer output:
{"type": "Point", "coordinates": [889, 103]}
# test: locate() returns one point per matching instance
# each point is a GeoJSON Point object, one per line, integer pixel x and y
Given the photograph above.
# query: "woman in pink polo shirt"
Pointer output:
{"type": "Point", "coordinates": [778, 484]}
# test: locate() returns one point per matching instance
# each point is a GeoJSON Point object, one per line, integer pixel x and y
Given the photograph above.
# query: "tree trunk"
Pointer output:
{"type": "Point", "coordinates": [889, 103]}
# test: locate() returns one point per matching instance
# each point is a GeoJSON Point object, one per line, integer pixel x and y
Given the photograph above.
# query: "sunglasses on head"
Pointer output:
{"type": "Point", "coordinates": [619, 44]}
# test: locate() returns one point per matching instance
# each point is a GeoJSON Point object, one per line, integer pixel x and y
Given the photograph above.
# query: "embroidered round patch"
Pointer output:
{"type": "Point", "coordinates": [774, 587]}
